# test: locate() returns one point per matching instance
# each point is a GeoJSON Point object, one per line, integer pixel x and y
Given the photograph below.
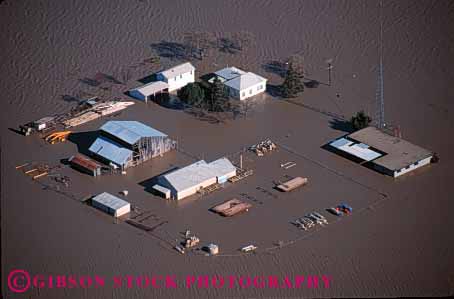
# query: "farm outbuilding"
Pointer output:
{"type": "Point", "coordinates": [111, 204]}
{"type": "Point", "coordinates": [129, 143]}
{"type": "Point", "coordinates": [85, 164]}
{"type": "Point", "coordinates": [385, 153]}
{"type": "Point", "coordinates": [189, 180]}
{"type": "Point", "coordinates": [149, 91]}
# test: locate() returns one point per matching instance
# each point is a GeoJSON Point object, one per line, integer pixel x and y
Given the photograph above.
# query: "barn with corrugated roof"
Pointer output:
{"type": "Point", "coordinates": [125, 144]}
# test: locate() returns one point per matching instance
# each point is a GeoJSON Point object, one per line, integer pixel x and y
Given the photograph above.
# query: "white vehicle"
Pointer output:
{"type": "Point", "coordinates": [249, 248]}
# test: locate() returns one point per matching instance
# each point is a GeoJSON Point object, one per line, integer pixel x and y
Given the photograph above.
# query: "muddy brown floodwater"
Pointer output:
{"type": "Point", "coordinates": [398, 240]}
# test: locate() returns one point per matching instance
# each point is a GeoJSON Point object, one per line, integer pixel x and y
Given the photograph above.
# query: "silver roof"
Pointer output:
{"type": "Point", "coordinates": [178, 70]}
{"type": "Point", "coordinates": [152, 88]}
{"type": "Point", "coordinates": [245, 81]}
{"type": "Point", "coordinates": [130, 131]}
{"type": "Point", "coordinates": [198, 172]}
{"type": "Point", "coordinates": [110, 150]}
{"type": "Point", "coordinates": [110, 201]}
{"type": "Point", "coordinates": [229, 73]}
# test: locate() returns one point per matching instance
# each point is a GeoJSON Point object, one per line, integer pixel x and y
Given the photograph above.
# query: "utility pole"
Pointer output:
{"type": "Point", "coordinates": [380, 117]}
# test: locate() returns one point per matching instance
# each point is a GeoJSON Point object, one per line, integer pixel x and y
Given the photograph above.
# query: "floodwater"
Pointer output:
{"type": "Point", "coordinates": [397, 242]}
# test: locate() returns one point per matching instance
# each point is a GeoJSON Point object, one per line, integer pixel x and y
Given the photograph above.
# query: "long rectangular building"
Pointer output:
{"type": "Point", "coordinates": [386, 153]}
{"type": "Point", "coordinates": [187, 181]}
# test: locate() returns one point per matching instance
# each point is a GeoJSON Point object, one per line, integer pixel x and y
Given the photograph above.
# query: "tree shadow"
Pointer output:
{"type": "Point", "coordinates": [311, 83]}
{"type": "Point", "coordinates": [275, 67]}
{"type": "Point", "coordinates": [228, 45]}
{"type": "Point", "coordinates": [205, 116]}
{"type": "Point", "coordinates": [341, 125]}
{"type": "Point", "coordinates": [83, 140]}
{"type": "Point", "coordinates": [171, 50]}
{"type": "Point", "coordinates": [105, 78]}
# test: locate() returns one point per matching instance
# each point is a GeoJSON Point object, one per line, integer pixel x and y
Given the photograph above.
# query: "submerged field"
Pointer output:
{"type": "Point", "coordinates": [397, 242]}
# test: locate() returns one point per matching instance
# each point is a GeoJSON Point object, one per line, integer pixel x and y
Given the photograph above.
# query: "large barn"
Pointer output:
{"type": "Point", "coordinates": [125, 144]}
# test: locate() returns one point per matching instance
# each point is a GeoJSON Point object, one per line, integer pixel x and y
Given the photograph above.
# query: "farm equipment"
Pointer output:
{"type": "Point", "coordinates": [57, 137]}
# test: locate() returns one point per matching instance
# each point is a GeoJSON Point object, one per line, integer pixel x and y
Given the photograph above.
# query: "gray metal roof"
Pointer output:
{"type": "Point", "coordinates": [229, 73]}
{"type": "Point", "coordinates": [130, 131]}
{"type": "Point", "coordinates": [110, 201]}
{"type": "Point", "coordinates": [152, 88]}
{"type": "Point", "coordinates": [245, 81]}
{"type": "Point", "coordinates": [198, 172]}
{"type": "Point", "coordinates": [110, 150]}
{"type": "Point", "coordinates": [399, 153]}
{"type": "Point", "coordinates": [178, 70]}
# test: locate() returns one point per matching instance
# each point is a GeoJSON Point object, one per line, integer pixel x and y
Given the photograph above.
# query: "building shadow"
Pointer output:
{"type": "Point", "coordinates": [148, 79]}
{"type": "Point", "coordinates": [149, 183]}
{"type": "Point", "coordinates": [16, 131]}
{"type": "Point", "coordinates": [83, 140]}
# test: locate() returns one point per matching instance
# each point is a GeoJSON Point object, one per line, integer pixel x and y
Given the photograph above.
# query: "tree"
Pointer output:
{"type": "Point", "coordinates": [293, 83]}
{"type": "Point", "coordinates": [219, 100]}
{"type": "Point", "coordinates": [192, 94]}
{"type": "Point", "coordinates": [360, 120]}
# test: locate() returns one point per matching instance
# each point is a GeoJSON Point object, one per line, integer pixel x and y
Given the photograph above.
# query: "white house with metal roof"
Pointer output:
{"type": "Point", "coordinates": [241, 84]}
{"type": "Point", "coordinates": [187, 181]}
{"type": "Point", "coordinates": [178, 76]}
{"type": "Point", "coordinates": [385, 153]}
{"type": "Point", "coordinates": [111, 204]}
{"type": "Point", "coordinates": [129, 143]}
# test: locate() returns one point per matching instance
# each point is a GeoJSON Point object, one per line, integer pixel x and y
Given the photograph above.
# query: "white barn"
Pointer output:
{"type": "Point", "coordinates": [240, 84]}
{"type": "Point", "coordinates": [187, 181]}
{"type": "Point", "coordinates": [178, 76]}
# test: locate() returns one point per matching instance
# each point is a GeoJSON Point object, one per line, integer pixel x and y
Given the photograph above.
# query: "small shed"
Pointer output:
{"type": "Point", "coordinates": [147, 91]}
{"type": "Point", "coordinates": [85, 164]}
{"type": "Point", "coordinates": [163, 191]}
{"type": "Point", "coordinates": [111, 204]}
{"type": "Point", "coordinates": [212, 249]}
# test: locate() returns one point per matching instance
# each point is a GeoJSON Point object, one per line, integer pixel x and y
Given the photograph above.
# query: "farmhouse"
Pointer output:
{"type": "Point", "coordinates": [187, 181]}
{"type": "Point", "coordinates": [240, 84]}
{"type": "Point", "coordinates": [123, 144]}
{"type": "Point", "coordinates": [385, 153]}
{"type": "Point", "coordinates": [178, 76]}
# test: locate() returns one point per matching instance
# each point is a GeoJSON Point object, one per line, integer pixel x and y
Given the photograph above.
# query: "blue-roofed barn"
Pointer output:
{"type": "Point", "coordinates": [129, 143]}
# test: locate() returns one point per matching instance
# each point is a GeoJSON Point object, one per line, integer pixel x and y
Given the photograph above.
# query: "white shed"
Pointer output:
{"type": "Point", "coordinates": [146, 91]}
{"type": "Point", "coordinates": [111, 204]}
